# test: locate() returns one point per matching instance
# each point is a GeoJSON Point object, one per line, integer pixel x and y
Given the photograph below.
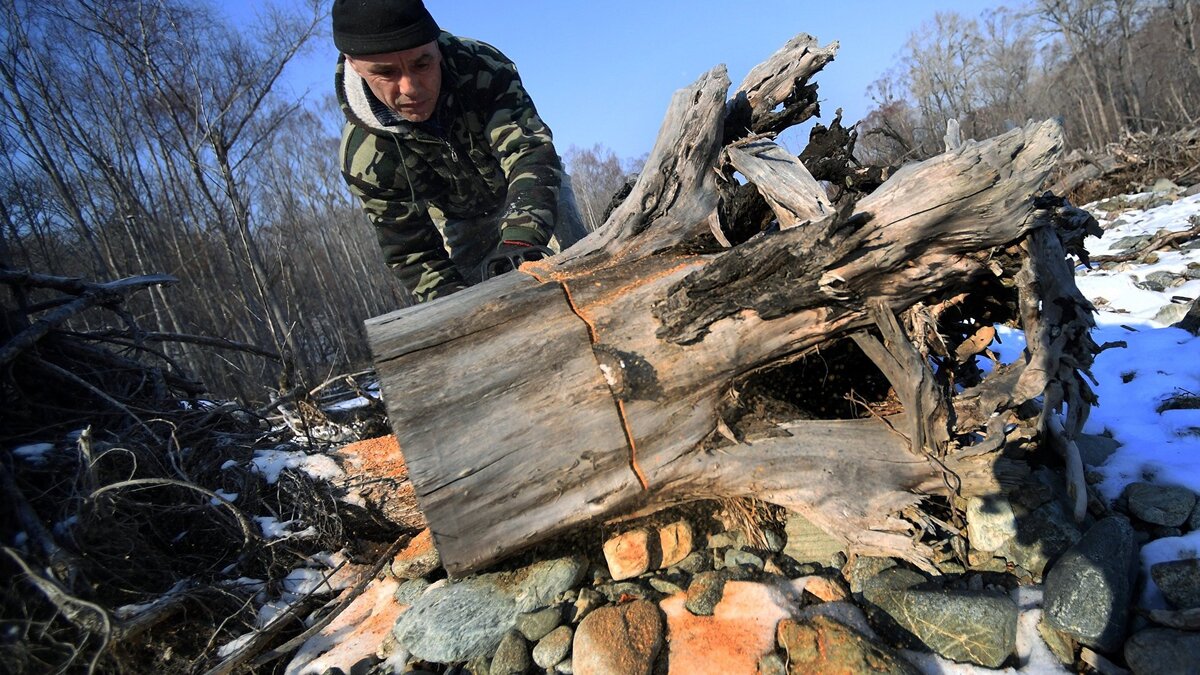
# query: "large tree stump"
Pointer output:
{"type": "Point", "coordinates": [604, 380]}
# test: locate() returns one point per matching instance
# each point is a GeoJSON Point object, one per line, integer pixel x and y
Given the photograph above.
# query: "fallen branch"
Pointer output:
{"type": "Point", "coordinates": [1158, 242]}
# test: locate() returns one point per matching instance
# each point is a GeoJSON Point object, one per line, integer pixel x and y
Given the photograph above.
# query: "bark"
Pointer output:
{"type": "Point", "coordinates": [605, 380]}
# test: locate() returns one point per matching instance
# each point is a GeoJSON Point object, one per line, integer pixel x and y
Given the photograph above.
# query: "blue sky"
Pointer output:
{"type": "Point", "coordinates": [604, 72]}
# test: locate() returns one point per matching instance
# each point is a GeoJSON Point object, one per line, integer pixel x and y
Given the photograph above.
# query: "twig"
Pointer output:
{"type": "Point", "coordinates": [300, 639]}
{"type": "Point", "coordinates": [247, 527]}
{"type": "Point", "coordinates": [68, 375]}
{"type": "Point", "coordinates": [72, 608]}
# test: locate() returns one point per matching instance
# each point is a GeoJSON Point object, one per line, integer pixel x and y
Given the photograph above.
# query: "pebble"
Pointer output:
{"type": "Point", "coordinates": [512, 656]}
{"type": "Point", "coordinates": [536, 625]}
{"type": "Point", "coordinates": [587, 601]}
{"type": "Point", "coordinates": [1163, 651]}
{"type": "Point", "coordinates": [553, 648]}
{"type": "Point", "coordinates": [964, 626]}
{"type": "Point", "coordinates": [628, 554]}
{"type": "Point", "coordinates": [738, 558]}
{"type": "Point", "coordinates": [1179, 581]}
{"type": "Point", "coordinates": [696, 562]}
{"type": "Point", "coordinates": [675, 543]}
{"type": "Point", "coordinates": [1167, 505]}
{"type": "Point", "coordinates": [704, 593]}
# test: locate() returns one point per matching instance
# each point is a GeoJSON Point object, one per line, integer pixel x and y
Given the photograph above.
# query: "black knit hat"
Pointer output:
{"type": "Point", "coordinates": [363, 27]}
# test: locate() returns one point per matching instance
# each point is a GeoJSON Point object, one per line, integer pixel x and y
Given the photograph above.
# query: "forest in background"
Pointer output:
{"type": "Point", "coordinates": [142, 137]}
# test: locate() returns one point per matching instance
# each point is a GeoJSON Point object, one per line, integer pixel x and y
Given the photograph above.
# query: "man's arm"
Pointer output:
{"type": "Point", "coordinates": [525, 148]}
{"type": "Point", "coordinates": [412, 247]}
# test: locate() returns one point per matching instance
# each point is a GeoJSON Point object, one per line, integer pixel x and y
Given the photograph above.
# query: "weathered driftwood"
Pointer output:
{"type": "Point", "coordinates": [599, 381]}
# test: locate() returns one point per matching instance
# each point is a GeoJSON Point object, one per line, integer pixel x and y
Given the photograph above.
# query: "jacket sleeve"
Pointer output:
{"type": "Point", "coordinates": [412, 247]}
{"type": "Point", "coordinates": [525, 148]}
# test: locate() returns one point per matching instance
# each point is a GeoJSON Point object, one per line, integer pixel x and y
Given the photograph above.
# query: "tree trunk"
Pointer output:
{"type": "Point", "coordinates": [605, 380]}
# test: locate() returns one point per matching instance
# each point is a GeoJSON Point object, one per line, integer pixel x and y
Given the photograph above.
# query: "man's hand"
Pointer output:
{"type": "Point", "coordinates": [509, 255]}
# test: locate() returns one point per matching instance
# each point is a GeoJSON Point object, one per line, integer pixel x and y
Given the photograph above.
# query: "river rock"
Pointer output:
{"type": "Point", "coordinates": [675, 542]}
{"type": "Point", "coordinates": [1163, 651]}
{"type": "Point", "coordinates": [628, 554]}
{"type": "Point", "coordinates": [696, 562]}
{"type": "Point", "coordinates": [456, 622]}
{"type": "Point", "coordinates": [512, 656]}
{"type": "Point", "coordinates": [807, 543]}
{"type": "Point", "coordinates": [1167, 505]}
{"type": "Point", "coordinates": [1089, 588]}
{"type": "Point", "coordinates": [990, 522]}
{"type": "Point", "coordinates": [553, 648]}
{"type": "Point", "coordinates": [822, 645]}
{"type": "Point", "coordinates": [1095, 450]}
{"type": "Point", "coordinates": [536, 625]}
{"type": "Point", "coordinates": [704, 592]}
{"type": "Point", "coordinates": [618, 640]}
{"type": "Point", "coordinates": [735, 557]}
{"type": "Point", "coordinates": [964, 626]}
{"type": "Point", "coordinates": [1042, 535]}
{"type": "Point", "coordinates": [1179, 581]}
{"type": "Point", "coordinates": [585, 603]}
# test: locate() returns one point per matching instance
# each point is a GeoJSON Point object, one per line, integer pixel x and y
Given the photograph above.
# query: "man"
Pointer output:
{"type": "Point", "coordinates": [444, 147]}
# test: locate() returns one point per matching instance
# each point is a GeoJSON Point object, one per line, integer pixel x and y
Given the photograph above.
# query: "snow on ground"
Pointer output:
{"type": "Point", "coordinates": [270, 463]}
{"type": "Point", "coordinates": [1158, 365]}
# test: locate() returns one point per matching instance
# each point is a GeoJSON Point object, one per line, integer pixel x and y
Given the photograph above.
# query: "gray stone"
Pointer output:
{"type": "Point", "coordinates": [964, 626]}
{"type": "Point", "coordinates": [1059, 643]}
{"type": "Point", "coordinates": [864, 568]}
{"type": "Point", "coordinates": [696, 562]}
{"type": "Point", "coordinates": [553, 648]}
{"type": "Point", "coordinates": [459, 621]}
{"type": "Point", "coordinates": [824, 645]}
{"type": "Point", "coordinates": [1163, 651]}
{"type": "Point", "coordinates": [1171, 313]}
{"type": "Point", "coordinates": [773, 540]}
{"type": "Point", "coordinates": [727, 539]}
{"type": "Point", "coordinates": [565, 668]}
{"type": "Point", "coordinates": [585, 602]}
{"type": "Point", "coordinates": [536, 625]}
{"type": "Point", "coordinates": [408, 592]}
{"type": "Point", "coordinates": [1089, 588]}
{"type": "Point", "coordinates": [1192, 191]}
{"type": "Point", "coordinates": [1164, 185]}
{"type": "Point", "coordinates": [1095, 450]}
{"type": "Point", "coordinates": [807, 543]}
{"type": "Point", "coordinates": [621, 591]}
{"type": "Point", "coordinates": [1164, 278]}
{"type": "Point", "coordinates": [665, 586]}
{"type": "Point", "coordinates": [772, 664]}
{"type": "Point", "coordinates": [705, 592]}
{"type": "Point", "coordinates": [1179, 581]}
{"type": "Point", "coordinates": [1168, 505]}
{"type": "Point", "coordinates": [737, 558]}
{"type": "Point", "coordinates": [1193, 521]}
{"type": "Point", "coordinates": [512, 656]}
{"type": "Point", "coordinates": [1042, 536]}
{"type": "Point", "coordinates": [1131, 242]}
{"type": "Point", "coordinates": [783, 565]}
{"type": "Point", "coordinates": [990, 522]}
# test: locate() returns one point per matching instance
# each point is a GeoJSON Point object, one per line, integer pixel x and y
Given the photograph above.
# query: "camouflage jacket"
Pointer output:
{"type": "Point", "coordinates": [486, 152]}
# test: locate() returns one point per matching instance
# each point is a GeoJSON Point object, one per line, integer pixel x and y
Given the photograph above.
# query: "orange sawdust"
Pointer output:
{"type": "Point", "coordinates": [417, 546]}
{"type": "Point", "coordinates": [377, 456]}
{"type": "Point", "coordinates": [376, 469]}
{"type": "Point", "coordinates": [732, 640]}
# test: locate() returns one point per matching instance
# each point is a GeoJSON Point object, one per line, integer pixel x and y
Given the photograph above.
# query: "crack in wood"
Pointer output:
{"type": "Point", "coordinates": [594, 339]}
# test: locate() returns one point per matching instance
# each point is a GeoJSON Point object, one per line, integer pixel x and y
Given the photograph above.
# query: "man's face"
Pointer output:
{"type": "Point", "coordinates": [408, 81]}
